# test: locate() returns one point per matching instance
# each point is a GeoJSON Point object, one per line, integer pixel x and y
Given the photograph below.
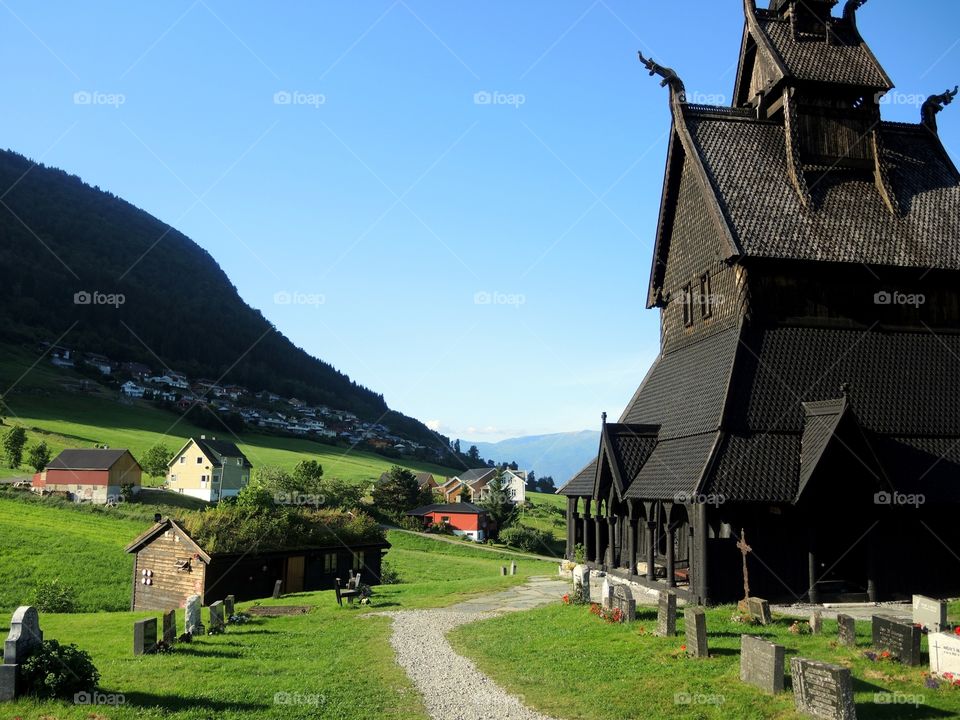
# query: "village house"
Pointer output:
{"type": "Point", "coordinates": [98, 476]}
{"type": "Point", "coordinates": [136, 370]}
{"type": "Point", "coordinates": [169, 566]}
{"type": "Point", "coordinates": [478, 480]}
{"type": "Point", "coordinates": [98, 361]}
{"type": "Point", "coordinates": [798, 436]}
{"type": "Point", "coordinates": [208, 469]}
{"type": "Point", "coordinates": [132, 389]}
{"type": "Point", "coordinates": [463, 518]}
{"type": "Point", "coordinates": [62, 357]}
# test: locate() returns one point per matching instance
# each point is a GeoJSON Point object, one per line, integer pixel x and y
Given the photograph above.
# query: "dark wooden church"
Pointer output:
{"type": "Point", "coordinates": [803, 415]}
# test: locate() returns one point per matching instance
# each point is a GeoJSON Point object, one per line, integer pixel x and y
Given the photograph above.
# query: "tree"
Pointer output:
{"type": "Point", "coordinates": [466, 494]}
{"type": "Point", "coordinates": [531, 484]}
{"type": "Point", "coordinates": [546, 484]}
{"type": "Point", "coordinates": [156, 460]}
{"type": "Point", "coordinates": [456, 446]}
{"type": "Point", "coordinates": [399, 492]}
{"type": "Point", "coordinates": [13, 443]}
{"type": "Point", "coordinates": [514, 466]}
{"type": "Point", "coordinates": [499, 504]}
{"type": "Point", "coordinates": [473, 453]}
{"type": "Point", "coordinates": [307, 475]}
{"type": "Point", "coordinates": [39, 456]}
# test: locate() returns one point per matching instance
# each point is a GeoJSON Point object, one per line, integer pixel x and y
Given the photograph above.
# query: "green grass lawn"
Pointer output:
{"type": "Point", "coordinates": [566, 662]}
{"type": "Point", "coordinates": [339, 657]}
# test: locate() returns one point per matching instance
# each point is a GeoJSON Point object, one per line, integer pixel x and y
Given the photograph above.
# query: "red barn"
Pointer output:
{"type": "Point", "coordinates": [91, 475]}
{"type": "Point", "coordinates": [463, 518]}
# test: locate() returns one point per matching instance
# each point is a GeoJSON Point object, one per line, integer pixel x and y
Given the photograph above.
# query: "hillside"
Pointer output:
{"type": "Point", "coordinates": [559, 455]}
{"type": "Point", "coordinates": [59, 237]}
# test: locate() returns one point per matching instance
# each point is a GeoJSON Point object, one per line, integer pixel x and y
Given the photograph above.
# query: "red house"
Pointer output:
{"type": "Point", "coordinates": [98, 475]}
{"type": "Point", "coordinates": [463, 518]}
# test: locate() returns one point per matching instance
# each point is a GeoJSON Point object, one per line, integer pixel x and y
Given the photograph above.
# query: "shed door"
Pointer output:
{"type": "Point", "coordinates": [293, 580]}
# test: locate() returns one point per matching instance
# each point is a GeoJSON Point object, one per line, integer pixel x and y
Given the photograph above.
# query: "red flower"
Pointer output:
{"type": "Point", "coordinates": [683, 647]}
{"type": "Point", "coordinates": [885, 654]}
{"type": "Point", "coordinates": [956, 630]}
{"type": "Point", "coordinates": [566, 599]}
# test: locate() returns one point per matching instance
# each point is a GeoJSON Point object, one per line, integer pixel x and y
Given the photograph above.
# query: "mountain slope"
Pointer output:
{"type": "Point", "coordinates": [559, 455]}
{"type": "Point", "coordinates": [59, 237]}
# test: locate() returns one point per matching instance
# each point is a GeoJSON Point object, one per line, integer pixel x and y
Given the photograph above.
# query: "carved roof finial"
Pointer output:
{"type": "Point", "coordinates": [669, 76]}
{"type": "Point", "coordinates": [850, 11]}
{"type": "Point", "coordinates": [933, 105]}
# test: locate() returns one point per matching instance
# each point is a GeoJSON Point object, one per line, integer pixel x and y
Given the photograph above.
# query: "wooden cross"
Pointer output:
{"type": "Point", "coordinates": [744, 550]}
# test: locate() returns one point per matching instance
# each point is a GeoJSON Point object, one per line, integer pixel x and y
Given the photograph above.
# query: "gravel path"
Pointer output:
{"type": "Point", "coordinates": [453, 688]}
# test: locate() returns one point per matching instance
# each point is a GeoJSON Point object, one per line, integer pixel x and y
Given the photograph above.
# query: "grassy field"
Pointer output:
{"type": "Point", "coordinates": [37, 399]}
{"type": "Point", "coordinates": [331, 663]}
{"type": "Point", "coordinates": [570, 664]}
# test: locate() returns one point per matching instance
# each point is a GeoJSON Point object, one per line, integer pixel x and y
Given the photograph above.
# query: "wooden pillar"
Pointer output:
{"type": "Point", "coordinates": [871, 572]}
{"type": "Point", "coordinates": [571, 526]}
{"type": "Point", "coordinates": [812, 593]}
{"type": "Point", "coordinates": [586, 529]}
{"type": "Point", "coordinates": [632, 546]}
{"type": "Point", "coordinates": [671, 569]}
{"type": "Point", "coordinates": [598, 531]}
{"type": "Point", "coordinates": [699, 582]}
{"type": "Point", "coordinates": [651, 549]}
{"type": "Point", "coordinates": [611, 556]}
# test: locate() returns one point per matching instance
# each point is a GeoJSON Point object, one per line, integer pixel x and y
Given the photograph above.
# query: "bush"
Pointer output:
{"type": "Point", "coordinates": [526, 538]}
{"type": "Point", "coordinates": [411, 523]}
{"type": "Point", "coordinates": [54, 596]}
{"type": "Point", "coordinates": [58, 671]}
{"type": "Point", "coordinates": [389, 574]}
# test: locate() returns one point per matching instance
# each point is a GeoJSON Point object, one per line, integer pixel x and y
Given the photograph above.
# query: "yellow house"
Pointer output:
{"type": "Point", "coordinates": [208, 469]}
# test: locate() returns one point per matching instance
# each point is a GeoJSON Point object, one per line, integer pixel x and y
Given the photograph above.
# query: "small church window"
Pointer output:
{"type": "Point", "coordinates": [686, 297]}
{"type": "Point", "coordinates": [706, 297]}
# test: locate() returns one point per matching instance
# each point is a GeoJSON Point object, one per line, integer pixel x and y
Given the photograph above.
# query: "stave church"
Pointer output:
{"type": "Point", "coordinates": [798, 435]}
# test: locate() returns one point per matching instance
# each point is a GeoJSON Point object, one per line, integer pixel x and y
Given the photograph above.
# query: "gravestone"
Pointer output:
{"type": "Point", "coordinates": [666, 614]}
{"type": "Point", "coordinates": [695, 622]}
{"type": "Point", "coordinates": [581, 578]}
{"type": "Point", "coordinates": [759, 609]}
{"type": "Point", "coordinates": [192, 622]}
{"type": "Point", "coordinates": [216, 615]}
{"type": "Point", "coordinates": [816, 622]}
{"type": "Point", "coordinates": [846, 630]}
{"type": "Point", "coordinates": [513, 568]}
{"type": "Point", "coordinates": [277, 587]}
{"type": "Point", "coordinates": [762, 664]}
{"type": "Point", "coordinates": [944, 653]}
{"type": "Point", "coordinates": [170, 627]}
{"type": "Point", "coordinates": [822, 690]}
{"type": "Point", "coordinates": [145, 636]}
{"type": "Point", "coordinates": [930, 613]}
{"type": "Point", "coordinates": [902, 640]}
{"type": "Point", "coordinates": [24, 636]}
{"type": "Point", "coordinates": [606, 594]}
{"type": "Point", "coordinates": [624, 601]}
{"type": "Point", "coordinates": [229, 607]}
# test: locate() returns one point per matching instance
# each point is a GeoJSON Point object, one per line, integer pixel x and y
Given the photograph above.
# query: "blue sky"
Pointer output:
{"type": "Point", "coordinates": [453, 203]}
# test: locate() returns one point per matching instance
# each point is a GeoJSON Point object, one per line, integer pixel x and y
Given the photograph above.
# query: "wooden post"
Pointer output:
{"type": "Point", "coordinates": [699, 580]}
{"type": "Point", "coordinates": [571, 526]}
{"type": "Point", "coordinates": [812, 593]}
{"type": "Point", "coordinates": [586, 529]}
{"type": "Point", "coordinates": [871, 573]}
{"type": "Point", "coordinates": [598, 528]}
{"type": "Point", "coordinates": [611, 556]}
{"type": "Point", "coordinates": [651, 550]}
{"type": "Point", "coordinates": [671, 570]}
{"type": "Point", "coordinates": [632, 546]}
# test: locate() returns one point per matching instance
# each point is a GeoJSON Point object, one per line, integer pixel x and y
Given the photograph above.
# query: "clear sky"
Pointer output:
{"type": "Point", "coordinates": [457, 199]}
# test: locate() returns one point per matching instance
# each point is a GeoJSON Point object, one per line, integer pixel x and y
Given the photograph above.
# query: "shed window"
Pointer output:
{"type": "Point", "coordinates": [358, 560]}
{"type": "Point", "coordinates": [706, 297]}
{"type": "Point", "coordinates": [686, 297]}
{"type": "Point", "coordinates": [329, 562]}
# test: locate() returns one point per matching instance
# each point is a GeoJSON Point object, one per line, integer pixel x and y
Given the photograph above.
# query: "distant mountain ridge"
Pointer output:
{"type": "Point", "coordinates": [61, 239]}
{"type": "Point", "coordinates": [559, 455]}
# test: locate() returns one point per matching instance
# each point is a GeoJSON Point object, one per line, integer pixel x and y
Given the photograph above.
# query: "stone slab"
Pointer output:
{"type": "Point", "coordinates": [822, 690]}
{"type": "Point", "coordinates": [24, 635]}
{"type": "Point", "coordinates": [762, 664]}
{"type": "Point", "coordinates": [666, 614]}
{"type": "Point", "coordinates": [145, 636]}
{"type": "Point", "coordinates": [759, 609]}
{"type": "Point", "coordinates": [944, 653]}
{"type": "Point", "coordinates": [901, 640]}
{"type": "Point", "coordinates": [846, 630]}
{"type": "Point", "coordinates": [930, 613]}
{"type": "Point", "coordinates": [695, 626]}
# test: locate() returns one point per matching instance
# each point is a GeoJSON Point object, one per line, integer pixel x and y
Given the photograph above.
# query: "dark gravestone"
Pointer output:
{"type": "Point", "coordinates": [624, 601]}
{"type": "Point", "coordinates": [144, 636]}
{"type": "Point", "coordinates": [170, 627]}
{"type": "Point", "coordinates": [902, 640]}
{"type": "Point", "coordinates": [277, 587]}
{"type": "Point", "coordinates": [666, 614]}
{"type": "Point", "coordinates": [228, 606]}
{"type": "Point", "coordinates": [24, 636]}
{"type": "Point", "coordinates": [762, 664]}
{"type": "Point", "coordinates": [816, 622]}
{"type": "Point", "coordinates": [759, 609]}
{"type": "Point", "coordinates": [822, 690]}
{"type": "Point", "coordinates": [216, 615]}
{"type": "Point", "coordinates": [846, 630]}
{"type": "Point", "coordinates": [695, 626]}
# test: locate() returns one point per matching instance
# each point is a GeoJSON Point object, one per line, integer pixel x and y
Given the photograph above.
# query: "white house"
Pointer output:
{"type": "Point", "coordinates": [131, 389]}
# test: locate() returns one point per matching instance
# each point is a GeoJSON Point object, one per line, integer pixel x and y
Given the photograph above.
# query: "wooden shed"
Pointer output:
{"type": "Point", "coordinates": [169, 566]}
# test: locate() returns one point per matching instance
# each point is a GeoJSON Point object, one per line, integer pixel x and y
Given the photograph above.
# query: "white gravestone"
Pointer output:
{"type": "Point", "coordinates": [930, 613]}
{"type": "Point", "coordinates": [944, 653]}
